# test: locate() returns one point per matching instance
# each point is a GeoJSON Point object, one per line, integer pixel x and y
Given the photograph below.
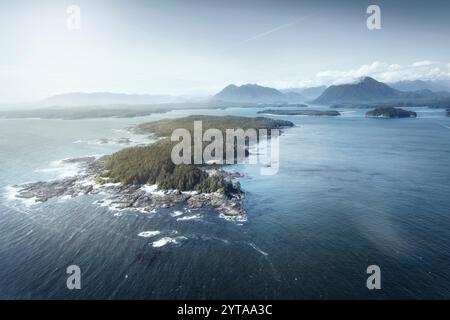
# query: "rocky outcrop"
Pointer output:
{"type": "Point", "coordinates": [139, 197]}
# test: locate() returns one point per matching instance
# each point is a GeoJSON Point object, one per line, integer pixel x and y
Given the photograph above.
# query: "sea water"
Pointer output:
{"type": "Point", "coordinates": [350, 192]}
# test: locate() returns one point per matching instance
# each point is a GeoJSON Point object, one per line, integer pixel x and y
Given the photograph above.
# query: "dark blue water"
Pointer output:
{"type": "Point", "coordinates": [350, 192]}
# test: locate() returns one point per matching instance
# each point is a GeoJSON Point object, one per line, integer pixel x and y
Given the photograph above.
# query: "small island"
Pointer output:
{"type": "Point", "coordinates": [145, 178]}
{"type": "Point", "coordinates": [390, 113]}
{"type": "Point", "coordinates": [284, 112]}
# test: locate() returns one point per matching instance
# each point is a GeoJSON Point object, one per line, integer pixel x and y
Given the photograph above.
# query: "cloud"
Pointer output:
{"type": "Point", "coordinates": [381, 71]}
{"type": "Point", "coordinates": [423, 70]}
{"type": "Point", "coordinates": [423, 63]}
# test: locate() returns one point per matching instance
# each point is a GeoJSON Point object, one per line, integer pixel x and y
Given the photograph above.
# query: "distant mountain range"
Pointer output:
{"type": "Point", "coordinates": [364, 91]}
{"type": "Point", "coordinates": [368, 90]}
{"type": "Point", "coordinates": [253, 93]}
{"type": "Point", "coordinates": [415, 85]}
{"type": "Point", "coordinates": [309, 93]}
{"type": "Point", "coordinates": [105, 98]}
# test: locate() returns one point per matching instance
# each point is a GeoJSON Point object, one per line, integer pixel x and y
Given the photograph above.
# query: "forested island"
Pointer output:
{"type": "Point", "coordinates": [435, 103]}
{"type": "Point", "coordinates": [390, 112]}
{"type": "Point", "coordinates": [152, 164]}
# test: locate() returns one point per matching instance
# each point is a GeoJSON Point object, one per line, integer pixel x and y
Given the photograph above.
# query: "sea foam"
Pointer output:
{"type": "Point", "coordinates": [176, 213]}
{"type": "Point", "coordinates": [251, 244]}
{"type": "Point", "coordinates": [11, 195]}
{"type": "Point", "coordinates": [148, 234]}
{"type": "Point", "coordinates": [166, 240]}
{"type": "Point", "coordinates": [195, 216]}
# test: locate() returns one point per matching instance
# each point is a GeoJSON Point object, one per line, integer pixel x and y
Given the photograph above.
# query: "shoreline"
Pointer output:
{"type": "Point", "coordinates": [118, 197]}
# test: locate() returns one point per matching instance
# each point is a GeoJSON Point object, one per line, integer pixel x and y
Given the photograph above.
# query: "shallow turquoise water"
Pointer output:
{"type": "Point", "coordinates": [350, 192]}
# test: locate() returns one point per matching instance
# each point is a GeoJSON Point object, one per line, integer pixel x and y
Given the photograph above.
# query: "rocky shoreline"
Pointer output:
{"type": "Point", "coordinates": [144, 198]}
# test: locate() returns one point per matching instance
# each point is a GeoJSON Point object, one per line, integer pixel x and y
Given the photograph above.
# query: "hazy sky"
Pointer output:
{"type": "Point", "coordinates": [199, 46]}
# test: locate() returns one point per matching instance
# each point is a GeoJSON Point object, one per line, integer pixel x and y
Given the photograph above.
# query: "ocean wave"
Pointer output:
{"type": "Point", "coordinates": [67, 167]}
{"type": "Point", "coordinates": [116, 207]}
{"type": "Point", "coordinates": [176, 213]}
{"type": "Point", "coordinates": [122, 130]}
{"type": "Point", "coordinates": [153, 189]}
{"type": "Point", "coordinates": [144, 210]}
{"type": "Point", "coordinates": [11, 196]}
{"type": "Point", "coordinates": [105, 203]}
{"type": "Point", "coordinates": [149, 234]}
{"type": "Point", "coordinates": [239, 218]}
{"type": "Point", "coordinates": [106, 141]}
{"type": "Point", "coordinates": [251, 244]}
{"type": "Point", "coordinates": [63, 171]}
{"type": "Point", "coordinates": [193, 217]}
{"type": "Point", "coordinates": [192, 193]}
{"type": "Point", "coordinates": [167, 240]}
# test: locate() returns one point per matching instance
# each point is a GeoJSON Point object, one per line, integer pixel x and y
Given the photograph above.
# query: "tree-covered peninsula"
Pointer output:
{"type": "Point", "coordinates": [152, 164]}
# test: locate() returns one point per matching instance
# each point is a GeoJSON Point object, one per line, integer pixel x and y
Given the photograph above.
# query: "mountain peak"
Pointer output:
{"type": "Point", "coordinates": [367, 80]}
{"type": "Point", "coordinates": [254, 93]}
{"type": "Point", "coordinates": [366, 89]}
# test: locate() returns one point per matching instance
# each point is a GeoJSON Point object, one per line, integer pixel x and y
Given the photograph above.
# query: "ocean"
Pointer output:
{"type": "Point", "coordinates": [350, 192]}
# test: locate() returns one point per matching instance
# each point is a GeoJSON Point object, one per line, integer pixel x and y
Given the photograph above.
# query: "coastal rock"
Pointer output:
{"type": "Point", "coordinates": [390, 112]}
{"type": "Point", "coordinates": [228, 206]}
{"type": "Point", "coordinates": [142, 198]}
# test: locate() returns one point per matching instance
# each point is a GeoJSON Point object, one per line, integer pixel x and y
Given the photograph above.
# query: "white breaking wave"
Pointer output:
{"type": "Point", "coordinates": [195, 216]}
{"type": "Point", "coordinates": [121, 130]}
{"type": "Point", "coordinates": [106, 142]}
{"type": "Point", "coordinates": [166, 240]}
{"type": "Point", "coordinates": [145, 210]}
{"type": "Point", "coordinates": [148, 234]}
{"type": "Point", "coordinates": [176, 213]}
{"type": "Point", "coordinates": [190, 192]}
{"type": "Point", "coordinates": [64, 168]}
{"type": "Point", "coordinates": [11, 195]}
{"type": "Point", "coordinates": [153, 189]}
{"type": "Point", "coordinates": [233, 218]}
{"type": "Point", "coordinates": [251, 244]}
{"type": "Point", "coordinates": [105, 203]}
